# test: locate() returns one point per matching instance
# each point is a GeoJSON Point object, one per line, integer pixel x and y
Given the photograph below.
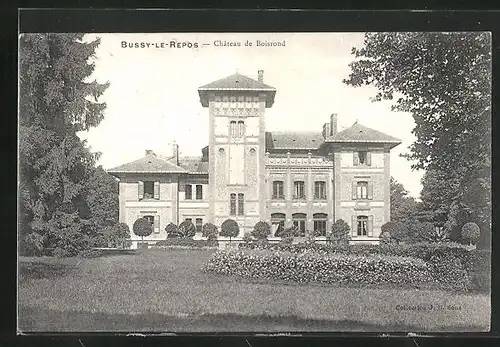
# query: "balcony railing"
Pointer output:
{"type": "Point", "coordinates": [299, 197]}
{"type": "Point", "coordinates": [278, 197]}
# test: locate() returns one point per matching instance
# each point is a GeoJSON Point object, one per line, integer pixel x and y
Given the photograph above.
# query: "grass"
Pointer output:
{"type": "Point", "coordinates": [165, 290]}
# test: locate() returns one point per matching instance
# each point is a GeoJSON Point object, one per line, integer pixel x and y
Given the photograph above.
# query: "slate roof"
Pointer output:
{"type": "Point", "coordinates": [361, 133]}
{"type": "Point", "coordinates": [237, 82]}
{"type": "Point", "coordinates": [194, 165]}
{"type": "Point", "coordinates": [151, 163]}
{"type": "Point", "coordinates": [293, 140]}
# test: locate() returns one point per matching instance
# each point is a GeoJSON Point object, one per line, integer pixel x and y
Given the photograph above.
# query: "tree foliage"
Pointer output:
{"type": "Point", "coordinates": [444, 81]}
{"type": "Point", "coordinates": [261, 230]}
{"type": "Point", "coordinates": [56, 168]}
{"type": "Point", "coordinates": [340, 234]}
{"type": "Point", "coordinates": [209, 231]}
{"type": "Point", "coordinates": [172, 231]}
{"type": "Point", "coordinates": [187, 229]}
{"type": "Point", "coordinates": [229, 228]}
{"type": "Point", "coordinates": [142, 227]}
{"type": "Point", "coordinates": [403, 206]}
{"type": "Point", "coordinates": [470, 233]}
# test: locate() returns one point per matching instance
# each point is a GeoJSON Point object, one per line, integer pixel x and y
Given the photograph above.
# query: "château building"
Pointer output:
{"type": "Point", "coordinates": [248, 174]}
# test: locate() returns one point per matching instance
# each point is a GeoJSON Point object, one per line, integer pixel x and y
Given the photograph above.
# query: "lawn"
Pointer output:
{"type": "Point", "coordinates": [166, 290]}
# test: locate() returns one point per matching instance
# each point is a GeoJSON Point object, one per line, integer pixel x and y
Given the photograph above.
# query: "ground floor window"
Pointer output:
{"type": "Point", "coordinates": [199, 224]}
{"type": "Point", "coordinates": [362, 225]}
{"type": "Point", "coordinates": [278, 219]}
{"type": "Point", "coordinates": [299, 221]}
{"type": "Point", "coordinates": [150, 219]}
{"type": "Point", "coordinates": [319, 220]}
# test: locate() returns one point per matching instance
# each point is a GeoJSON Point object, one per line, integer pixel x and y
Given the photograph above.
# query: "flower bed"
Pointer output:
{"type": "Point", "coordinates": [453, 266]}
{"type": "Point", "coordinates": [313, 267]}
{"type": "Point", "coordinates": [186, 242]}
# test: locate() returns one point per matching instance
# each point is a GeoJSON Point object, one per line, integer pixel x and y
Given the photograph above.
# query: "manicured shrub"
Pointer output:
{"type": "Point", "coordinates": [398, 231]}
{"type": "Point", "coordinates": [229, 228]}
{"type": "Point", "coordinates": [186, 242]}
{"type": "Point", "coordinates": [142, 227]}
{"type": "Point", "coordinates": [116, 236]}
{"type": "Point", "coordinates": [385, 238]}
{"type": "Point", "coordinates": [426, 231]}
{"type": "Point", "coordinates": [449, 271]}
{"type": "Point", "coordinates": [340, 233]}
{"type": "Point", "coordinates": [289, 232]}
{"type": "Point", "coordinates": [187, 229]}
{"type": "Point", "coordinates": [334, 268]}
{"type": "Point", "coordinates": [470, 233]}
{"type": "Point", "coordinates": [209, 231]}
{"type": "Point", "coordinates": [172, 231]}
{"type": "Point", "coordinates": [261, 230]}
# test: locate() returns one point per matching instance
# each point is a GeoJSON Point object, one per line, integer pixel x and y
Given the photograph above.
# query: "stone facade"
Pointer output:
{"type": "Point", "coordinates": [249, 175]}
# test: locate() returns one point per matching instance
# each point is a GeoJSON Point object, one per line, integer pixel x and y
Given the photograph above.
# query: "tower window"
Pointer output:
{"type": "Point", "coordinates": [241, 204]}
{"type": "Point", "coordinates": [241, 128]}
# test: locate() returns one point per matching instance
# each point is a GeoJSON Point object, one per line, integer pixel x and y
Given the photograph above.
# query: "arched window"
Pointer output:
{"type": "Point", "coordinates": [241, 128]}
{"type": "Point", "coordinates": [278, 222]}
{"type": "Point", "coordinates": [299, 221]}
{"type": "Point", "coordinates": [319, 220]}
{"type": "Point", "coordinates": [362, 228]}
{"type": "Point", "coordinates": [233, 131]}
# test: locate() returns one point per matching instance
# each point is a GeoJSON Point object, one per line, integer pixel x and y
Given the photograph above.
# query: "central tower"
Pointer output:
{"type": "Point", "coordinates": [237, 107]}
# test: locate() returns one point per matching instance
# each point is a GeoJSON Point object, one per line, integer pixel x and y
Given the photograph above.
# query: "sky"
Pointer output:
{"type": "Point", "coordinates": [152, 100]}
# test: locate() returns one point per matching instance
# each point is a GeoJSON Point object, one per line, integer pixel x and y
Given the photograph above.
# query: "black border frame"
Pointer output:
{"type": "Point", "coordinates": [271, 20]}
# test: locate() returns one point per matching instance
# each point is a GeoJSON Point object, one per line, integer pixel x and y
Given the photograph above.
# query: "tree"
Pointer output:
{"type": "Point", "coordinates": [470, 233]}
{"type": "Point", "coordinates": [142, 227]}
{"type": "Point", "coordinates": [187, 229]}
{"type": "Point", "coordinates": [172, 231]}
{"type": "Point", "coordinates": [102, 199]}
{"type": "Point", "coordinates": [209, 231]}
{"type": "Point", "coordinates": [261, 230]}
{"type": "Point", "coordinates": [340, 234]}
{"type": "Point", "coordinates": [117, 235]}
{"type": "Point", "coordinates": [403, 206]}
{"type": "Point", "coordinates": [449, 97]}
{"type": "Point", "coordinates": [57, 100]}
{"type": "Point", "coordinates": [229, 228]}
{"type": "Point", "coordinates": [287, 234]}
{"type": "Point", "coordinates": [395, 231]}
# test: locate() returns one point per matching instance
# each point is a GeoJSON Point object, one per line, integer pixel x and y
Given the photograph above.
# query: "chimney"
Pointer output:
{"type": "Point", "coordinates": [260, 73]}
{"type": "Point", "coordinates": [326, 130]}
{"type": "Point", "coordinates": [175, 151]}
{"type": "Point", "coordinates": [333, 124]}
{"type": "Point", "coordinates": [149, 152]}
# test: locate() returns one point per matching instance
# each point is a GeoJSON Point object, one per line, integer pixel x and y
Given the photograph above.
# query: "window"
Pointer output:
{"type": "Point", "coordinates": [362, 226]}
{"type": "Point", "coordinates": [232, 128]}
{"type": "Point", "coordinates": [320, 223]}
{"type": "Point", "coordinates": [150, 219]}
{"type": "Point", "coordinates": [362, 190]}
{"type": "Point", "coordinates": [278, 220]}
{"type": "Point", "coordinates": [362, 158]}
{"type": "Point", "coordinates": [232, 205]}
{"type": "Point", "coordinates": [298, 190]}
{"type": "Point", "coordinates": [199, 224]}
{"type": "Point", "coordinates": [299, 221]}
{"type": "Point", "coordinates": [320, 190]}
{"type": "Point", "coordinates": [149, 189]}
{"type": "Point", "coordinates": [241, 198]}
{"type": "Point", "coordinates": [189, 192]}
{"type": "Point", "coordinates": [278, 190]}
{"type": "Point", "coordinates": [241, 128]}
{"type": "Point", "coordinates": [199, 192]}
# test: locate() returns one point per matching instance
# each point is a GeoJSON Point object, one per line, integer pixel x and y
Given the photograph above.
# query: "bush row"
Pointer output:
{"type": "Point", "coordinates": [333, 268]}
{"type": "Point", "coordinates": [447, 263]}
{"type": "Point", "coordinates": [187, 242]}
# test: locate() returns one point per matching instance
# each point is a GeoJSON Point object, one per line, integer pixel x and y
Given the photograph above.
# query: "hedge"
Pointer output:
{"type": "Point", "coordinates": [313, 267]}
{"type": "Point", "coordinates": [446, 262]}
{"type": "Point", "coordinates": [187, 242]}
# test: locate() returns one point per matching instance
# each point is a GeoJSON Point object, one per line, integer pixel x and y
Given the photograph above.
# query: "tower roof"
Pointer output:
{"type": "Point", "coordinates": [358, 133]}
{"type": "Point", "coordinates": [236, 83]}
